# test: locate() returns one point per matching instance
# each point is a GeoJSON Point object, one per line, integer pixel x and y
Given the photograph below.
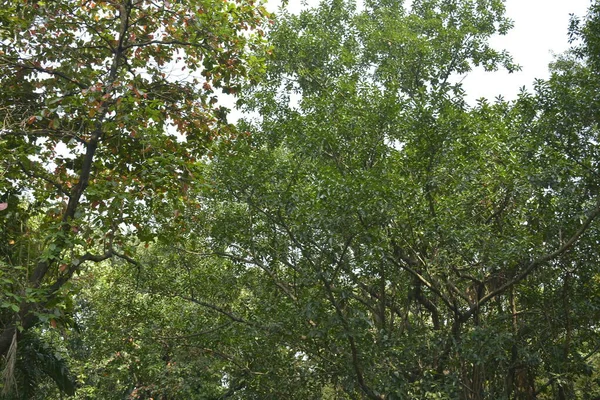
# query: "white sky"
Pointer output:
{"type": "Point", "coordinates": [540, 30]}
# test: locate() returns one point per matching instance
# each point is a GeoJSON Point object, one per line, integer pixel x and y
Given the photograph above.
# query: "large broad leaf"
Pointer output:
{"type": "Point", "coordinates": [37, 358]}
{"type": "Point", "coordinates": [57, 369]}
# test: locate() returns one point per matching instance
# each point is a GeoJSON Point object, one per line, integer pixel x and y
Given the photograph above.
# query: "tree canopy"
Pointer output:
{"type": "Point", "coordinates": [363, 233]}
{"type": "Point", "coordinates": [106, 106]}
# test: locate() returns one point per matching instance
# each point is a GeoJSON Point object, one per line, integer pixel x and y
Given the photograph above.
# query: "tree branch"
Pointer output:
{"type": "Point", "coordinates": [166, 43]}
{"type": "Point", "coordinates": [76, 264]}
{"type": "Point", "coordinates": [50, 71]}
{"type": "Point", "coordinates": [353, 349]}
{"type": "Point", "coordinates": [193, 335]}
{"type": "Point", "coordinates": [425, 282]}
{"type": "Point", "coordinates": [536, 263]}
{"type": "Point", "coordinates": [218, 309]}
{"type": "Point", "coordinates": [31, 174]}
{"type": "Point", "coordinates": [43, 133]}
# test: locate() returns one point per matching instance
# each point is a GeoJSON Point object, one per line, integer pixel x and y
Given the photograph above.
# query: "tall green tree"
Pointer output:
{"type": "Point", "coordinates": [402, 243]}
{"type": "Point", "coordinates": [106, 107]}
{"type": "Point", "coordinates": [371, 235]}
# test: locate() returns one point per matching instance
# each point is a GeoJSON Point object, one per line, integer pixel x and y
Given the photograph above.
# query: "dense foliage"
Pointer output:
{"type": "Point", "coordinates": [368, 235]}
{"type": "Point", "coordinates": [106, 106]}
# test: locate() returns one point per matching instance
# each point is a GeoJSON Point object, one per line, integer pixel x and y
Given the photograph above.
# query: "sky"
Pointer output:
{"type": "Point", "coordinates": [540, 30]}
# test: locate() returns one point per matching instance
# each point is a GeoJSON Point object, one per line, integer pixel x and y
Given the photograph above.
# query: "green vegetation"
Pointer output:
{"type": "Point", "coordinates": [366, 235]}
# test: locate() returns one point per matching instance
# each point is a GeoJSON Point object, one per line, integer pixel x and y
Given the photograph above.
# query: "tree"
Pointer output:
{"type": "Point", "coordinates": [178, 332]}
{"type": "Point", "coordinates": [396, 240]}
{"type": "Point", "coordinates": [370, 235]}
{"type": "Point", "coordinates": [106, 108]}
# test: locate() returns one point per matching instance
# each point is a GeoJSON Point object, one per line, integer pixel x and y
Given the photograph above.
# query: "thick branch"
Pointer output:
{"type": "Point", "coordinates": [86, 168]}
{"type": "Point", "coordinates": [28, 319]}
{"type": "Point", "coordinates": [76, 264]}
